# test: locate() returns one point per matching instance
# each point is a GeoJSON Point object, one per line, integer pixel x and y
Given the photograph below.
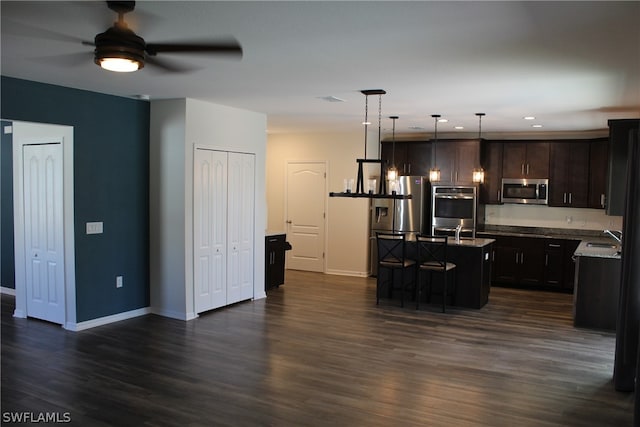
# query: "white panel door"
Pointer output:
{"type": "Point", "coordinates": [305, 204]}
{"type": "Point", "coordinates": [240, 223]}
{"type": "Point", "coordinates": [43, 220]}
{"type": "Point", "coordinates": [209, 226]}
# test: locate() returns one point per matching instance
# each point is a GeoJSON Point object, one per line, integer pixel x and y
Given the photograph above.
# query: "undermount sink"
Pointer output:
{"type": "Point", "coordinates": [601, 245]}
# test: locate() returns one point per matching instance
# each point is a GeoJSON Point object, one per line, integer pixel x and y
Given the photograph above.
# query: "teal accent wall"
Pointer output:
{"type": "Point", "coordinates": [111, 184]}
{"type": "Point", "coordinates": [7, 258]}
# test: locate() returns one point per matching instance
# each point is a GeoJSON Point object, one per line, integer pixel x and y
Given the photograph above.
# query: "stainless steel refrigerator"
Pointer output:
{"type": "Point", "coordinates": [399, 215]}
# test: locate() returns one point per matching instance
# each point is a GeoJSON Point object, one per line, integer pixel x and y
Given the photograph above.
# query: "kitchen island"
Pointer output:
{"type": "Point", "coordinates": [473, 273]}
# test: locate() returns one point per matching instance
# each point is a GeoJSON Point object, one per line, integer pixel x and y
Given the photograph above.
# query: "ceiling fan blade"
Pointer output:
{"type": "Point", "coordinates": [167, 65]}
{"type": "Point", "coordinates": [67, 60]}
{"type": "Point", "coordinates": [230, 47]}
{"type": "Point", "coordinates": [21, 29]}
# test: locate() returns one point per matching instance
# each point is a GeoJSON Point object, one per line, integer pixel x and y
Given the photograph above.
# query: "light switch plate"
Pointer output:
{"type": "Point", "coordinates": [8, 130]}
{"type": "Point", "coordinates": [94, 227]}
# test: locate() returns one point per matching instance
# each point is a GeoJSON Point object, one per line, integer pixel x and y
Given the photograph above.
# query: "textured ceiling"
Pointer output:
{"type": "Point", "coordinates": [573, 65]}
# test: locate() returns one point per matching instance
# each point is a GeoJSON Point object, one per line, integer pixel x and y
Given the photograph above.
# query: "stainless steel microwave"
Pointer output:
{"type": "Point", "coordinates": [525, 191]}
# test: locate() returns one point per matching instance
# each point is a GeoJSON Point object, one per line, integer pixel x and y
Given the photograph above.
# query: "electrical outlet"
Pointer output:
{"type": "Point", "coordinates": [118, 281]}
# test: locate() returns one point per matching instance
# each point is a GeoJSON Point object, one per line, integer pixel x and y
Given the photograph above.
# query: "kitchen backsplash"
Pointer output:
{"type": "Point", "coordinates": [551, 217]}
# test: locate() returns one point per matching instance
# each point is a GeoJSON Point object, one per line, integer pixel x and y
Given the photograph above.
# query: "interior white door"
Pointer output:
{"type": "Point", "coordinates": [305, 215]}
{"type": "Point", "coordinates": [209, 227]}
{"type": "Point", "coordinates": [43, 229]}
{"type": "Point", "coordinates": [240, 222]}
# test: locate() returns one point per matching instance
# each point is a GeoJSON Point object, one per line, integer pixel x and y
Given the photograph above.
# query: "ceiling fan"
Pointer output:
{"type": "Point", "coordinates": [120, 49]}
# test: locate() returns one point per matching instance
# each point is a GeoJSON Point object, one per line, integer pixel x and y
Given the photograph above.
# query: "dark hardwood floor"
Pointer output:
{"type": "Point", "coordinates": [319, 352]}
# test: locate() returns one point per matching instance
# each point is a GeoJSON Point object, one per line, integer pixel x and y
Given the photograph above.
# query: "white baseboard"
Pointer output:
{"type": "Point", "coordinates": [106, 320]}
{"type": "Point", "coordinates": [173, 314]}
{"type": "Point", "coordinates": [8, 291]}
{"type": "Point", "coordinates": [348, 273]}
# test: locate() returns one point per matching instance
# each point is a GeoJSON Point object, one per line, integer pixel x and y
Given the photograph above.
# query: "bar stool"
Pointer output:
{"type": "Point", "coordinates": [432, 258]}
{"type": "Point", "coordinates": [392, 251]}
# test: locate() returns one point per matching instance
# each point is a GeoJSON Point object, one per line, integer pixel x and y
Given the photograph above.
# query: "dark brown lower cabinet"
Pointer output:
{"type": "Point", "coordinates": [276, 245]}
{"type": "Point", "coordinates": [519, 261]}
{"type": "Point", "coordinates": [533, 262]}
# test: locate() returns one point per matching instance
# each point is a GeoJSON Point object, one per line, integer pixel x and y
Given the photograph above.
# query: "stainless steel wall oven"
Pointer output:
{"type": "Point", "coordinates": [452, 207]}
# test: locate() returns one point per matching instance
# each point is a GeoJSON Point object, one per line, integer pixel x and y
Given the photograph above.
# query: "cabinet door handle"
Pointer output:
{"type": "Point", "coordinates": [409, 169]}
{"type": "Point", "coordinates": [564, 198]}
{"type": "Point", "coordinates": [554, 245]}
{"type": "Point", "coordinates": [602, 199]}
{"type": "Point", "coordinates": [522, 258]}
{"type": "Point", "coordinates": [499, 198]}
{"type": "Point", "coordinates": [517, 258]}
{"type": "Point", "coordinates": [569, 198]}
{"type": "Point", "coordinates": [522, 168]}
{"type": "Point", "coordinates": [527, 168]}
{"type": "Point", "coordinates": [546, 260]}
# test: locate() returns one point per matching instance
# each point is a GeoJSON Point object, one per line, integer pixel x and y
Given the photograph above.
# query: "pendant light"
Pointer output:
{"type": "Point", "coordinates": [392, 172]}
{"type": "Point", "coordinates": [478, 173]}
{"type": "Point", "coordinates": [434, 172]}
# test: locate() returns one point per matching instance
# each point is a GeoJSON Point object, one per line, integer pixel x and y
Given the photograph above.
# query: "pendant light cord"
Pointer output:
{"type": "Point", "coordinates": [379, 122]}
{"type": "Point", "coordinates": [480, 124]}
{"type": "Point", "coordinates": [435, 118]}
{"type": "Point", "coordinates": [393, 149]}
{"type": "Point", "coordinates": [366, 122]}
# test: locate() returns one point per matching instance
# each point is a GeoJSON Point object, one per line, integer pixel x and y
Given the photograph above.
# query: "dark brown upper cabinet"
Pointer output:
{"type": "Point", "coordinates": [569, 174]}
{"type": "Point", "coordinates": [456, 160]}
{"type": "Point", "coordinates": [523, 159]}
{"type": "Point", "coordinates": [620, 132]}
{"type": "Point", "coordinates": [411, 157]}
{"type": "Point", "coordinates": [491, 161]}
{"type": "Point", "coordinates": [598, 159]}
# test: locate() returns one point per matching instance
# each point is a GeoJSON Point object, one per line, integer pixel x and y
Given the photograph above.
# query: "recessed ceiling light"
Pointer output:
{"type": "Point", "coordinates": [331, 98]}
{"type": "Point", "coordinates": [416, 127]}
{"type": "Point", "coordinates": [536, 126]}
{"type": "Point", "coordinates": [458, 127]}
{"type": "Point", "coordinates": [529, 118]}
{"type": "Point", "coordinates": [443, 120]}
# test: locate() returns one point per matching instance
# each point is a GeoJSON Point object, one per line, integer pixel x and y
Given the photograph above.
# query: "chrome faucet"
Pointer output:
{"type": "Point", "coordinates": [458, 230]}
{"type": "Point", "coordinates": [612, 234]}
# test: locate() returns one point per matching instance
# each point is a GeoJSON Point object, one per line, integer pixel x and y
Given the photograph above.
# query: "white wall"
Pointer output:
{"type": "Point", "coordinates": [551, 217]}
{"type": "Point", "coordinates": [176, 127]}
{"type": "Point", "coordinates": [347, 219]}
{"type": "Point", "coordinates": [167, 208]}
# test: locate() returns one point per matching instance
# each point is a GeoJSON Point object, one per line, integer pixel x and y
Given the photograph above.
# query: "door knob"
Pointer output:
{"type": "Point", "coordinates": [289, 222]}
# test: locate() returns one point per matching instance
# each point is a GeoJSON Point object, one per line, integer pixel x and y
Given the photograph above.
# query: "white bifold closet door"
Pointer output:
{"type": "Point", "coordinates": [223, 228]}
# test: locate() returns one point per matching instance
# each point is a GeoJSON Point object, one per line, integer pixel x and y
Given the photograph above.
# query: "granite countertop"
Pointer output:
{"type": "Point", "coordinates": [598, 249]}
{"type": "Point", "coordinates": [593, 243]}
{"type": "Point", "coordinates": [542, 232]}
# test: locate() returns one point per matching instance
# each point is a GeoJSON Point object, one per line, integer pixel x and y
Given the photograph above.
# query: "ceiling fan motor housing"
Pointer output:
{"type": "Point", "coordinates": [119, 42]}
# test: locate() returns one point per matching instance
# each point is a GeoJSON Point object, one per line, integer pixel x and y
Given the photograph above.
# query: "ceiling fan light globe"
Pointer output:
{"type": "Point", "coordinates": [120, 65]}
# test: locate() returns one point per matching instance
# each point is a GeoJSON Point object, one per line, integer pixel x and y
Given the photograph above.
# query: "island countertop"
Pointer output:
{"type": "Point", "coordinates": [478, 242]}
